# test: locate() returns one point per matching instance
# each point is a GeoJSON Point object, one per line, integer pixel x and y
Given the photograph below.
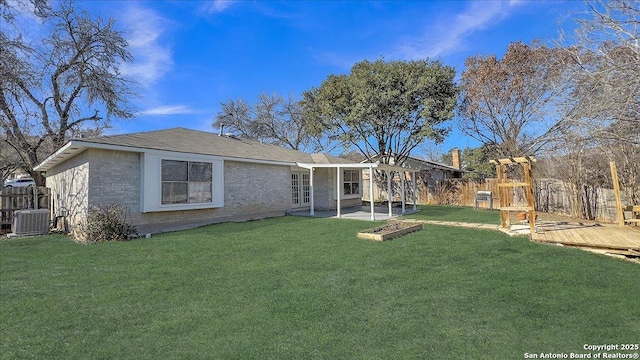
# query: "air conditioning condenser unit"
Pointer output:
{"type": "Point", "coordinates": [31, 222]}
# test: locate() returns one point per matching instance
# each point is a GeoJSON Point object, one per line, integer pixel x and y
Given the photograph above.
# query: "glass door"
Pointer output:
{"type": "Point", "coordinates": [300, 189]}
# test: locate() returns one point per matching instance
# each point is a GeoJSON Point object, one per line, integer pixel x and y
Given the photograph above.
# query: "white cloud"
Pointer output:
{"type": "Point", "coordinates": [218, 6]}
{"type": "Point", "coordinates": [445, 37]}
{"type": "Point", "coordinates": [167, 110]}
{"type": "Point", "coordinates": [152, 60]}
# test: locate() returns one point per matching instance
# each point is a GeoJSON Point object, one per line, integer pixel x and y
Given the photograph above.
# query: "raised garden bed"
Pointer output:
{"type": "Point", "coordinates": [389, 231]}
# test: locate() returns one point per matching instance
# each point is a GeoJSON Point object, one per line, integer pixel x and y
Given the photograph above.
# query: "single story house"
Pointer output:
{"type": "Point", "coordinates": [180, 178]}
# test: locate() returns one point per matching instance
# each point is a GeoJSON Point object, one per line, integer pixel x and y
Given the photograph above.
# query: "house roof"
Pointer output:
{"type": "Point", "coordinates": [321, 158]}
{"type": "Point", "coordinates": [181, 140]}
{"type": "Point", "coordinates": [201, 142]}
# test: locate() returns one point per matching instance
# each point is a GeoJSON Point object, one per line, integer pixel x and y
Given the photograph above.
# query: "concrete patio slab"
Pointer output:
{"type": "Point", "coordinates": [381, 213]}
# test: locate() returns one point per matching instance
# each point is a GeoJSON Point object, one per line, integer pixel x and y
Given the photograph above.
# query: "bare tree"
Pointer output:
{"type": "Point", "coordinates": [9, 162]}
{"type": "Point", "coordinates": [40, 8]}
{"type": "Point", "coordinates": [605, 97]}
{"type": "Point", "coordinates": [508, 103]}
{"type": "Point", "coordinates": [600, 111]}
{"type": "Point", "coordinates": [272, 119]}
{"type": "Point", "coordinates": [67, 80]}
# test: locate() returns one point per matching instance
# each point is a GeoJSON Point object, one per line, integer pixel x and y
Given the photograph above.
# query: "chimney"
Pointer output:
{"type": "Point", "coordinates": [455, 156]}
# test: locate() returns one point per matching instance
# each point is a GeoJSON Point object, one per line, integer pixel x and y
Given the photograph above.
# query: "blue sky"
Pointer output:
{"type": "Point", "coordinates": [192, 55]}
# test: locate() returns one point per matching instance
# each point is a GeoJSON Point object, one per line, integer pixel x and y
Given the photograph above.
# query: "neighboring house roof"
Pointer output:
{"type": "Point", "coordinates": [422, 164]}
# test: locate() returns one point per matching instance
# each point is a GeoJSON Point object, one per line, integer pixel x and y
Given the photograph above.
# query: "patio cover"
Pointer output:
{"type": "Point", "coordinates": [377, 165]}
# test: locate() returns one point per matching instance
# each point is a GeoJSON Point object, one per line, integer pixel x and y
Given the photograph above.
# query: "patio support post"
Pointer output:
{"type": "Point", "coordinates": [389, 192]}
{"type": "Point", "coordinates": [311, 210]}
{"type": "Point", "coordinates": [404, 201]}
{"type": "Point", "coordinates": [373, 210]}
{"type": "Point", "coordinates": [338, 190]}
{"type": "Point", "coordinates": [415, 196]}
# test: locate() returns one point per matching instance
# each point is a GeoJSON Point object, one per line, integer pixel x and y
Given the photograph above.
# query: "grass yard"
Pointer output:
{"type": "Point", "coordinates": [455, 213]}
{"type": "Point", "coordinates": [296, 287]}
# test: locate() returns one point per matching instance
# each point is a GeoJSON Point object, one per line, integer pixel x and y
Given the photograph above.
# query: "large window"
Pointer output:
{"type": "Point", "coordinates": [186, 182]}
{"type": "Point", "coordinates": [351, 182]}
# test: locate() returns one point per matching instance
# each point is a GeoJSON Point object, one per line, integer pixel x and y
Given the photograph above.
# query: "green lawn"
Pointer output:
{"type": "Point", "coordinates": [455, 213]}
{"type": "Point", "coordinates": [301, 288]}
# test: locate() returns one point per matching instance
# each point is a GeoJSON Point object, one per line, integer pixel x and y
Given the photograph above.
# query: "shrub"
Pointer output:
{"type": "Point", "coordinates": [446, 193]}
{"type": "Point", "coordinates": [106, 224]}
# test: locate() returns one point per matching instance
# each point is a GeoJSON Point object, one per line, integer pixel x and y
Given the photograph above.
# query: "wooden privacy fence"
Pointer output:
{"type": "Point", "coordinates": [585, 202]}
{"type": "Point", "coordinates": [555, 196]}
{"type": "Point", "coordinates": [459, 192]}
{"type": "Point", "coordinates": [13, 198]}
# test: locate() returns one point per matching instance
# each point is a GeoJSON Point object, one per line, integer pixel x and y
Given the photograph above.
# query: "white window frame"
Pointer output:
{"type": "Point", "coordinates": [302, 189]}
{"type": "Point", "coordinates": [151, 194]}
{"type": "Point", "coordinates": [341, 189]}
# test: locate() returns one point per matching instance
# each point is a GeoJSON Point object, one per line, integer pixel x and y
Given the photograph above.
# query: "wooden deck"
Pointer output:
{"type": "Point", "coordinates": [600, 236]}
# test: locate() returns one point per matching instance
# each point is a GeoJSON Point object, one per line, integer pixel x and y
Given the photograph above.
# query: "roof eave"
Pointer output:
{"type": "Point", "coordinates": [67, 151]}
{"type": "Point", "coordinates": [376, 165]}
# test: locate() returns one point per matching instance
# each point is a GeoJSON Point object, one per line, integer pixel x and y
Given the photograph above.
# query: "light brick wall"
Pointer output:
{"type": "Point", "coordinates": [69, 183]}
{"type": "Point", "coordinates": [324, 183]}
{"type": "Point", "coordinates": [251, 191]}
{"type": "Point", "coordinates": [115, 179]}
{"type": "Point", "coordinates": [322, 190]}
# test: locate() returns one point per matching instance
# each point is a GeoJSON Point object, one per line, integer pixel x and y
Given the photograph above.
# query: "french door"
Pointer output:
{"type": "Point", "coordinates": [300, 189]}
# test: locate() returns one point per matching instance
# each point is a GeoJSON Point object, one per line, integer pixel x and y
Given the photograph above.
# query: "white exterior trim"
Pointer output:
{"type": "Point", "coordinates": [376, 165]}
{"type": "Point", "coordinates": [339, 189]}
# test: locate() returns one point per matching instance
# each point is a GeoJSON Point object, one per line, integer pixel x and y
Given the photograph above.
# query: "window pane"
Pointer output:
{"type": "Point", "coordinates": [355, 176]}
{"type": "Point", "coordinates": [295, 189]}
{"type": "Point", "coordinates": [199, 192]}
{"type": "Point", "coordinates": [347, 189]}
{"type": "Point", "coordinates": [200, 171]}
{"type": "Point", "coordinates": [346, 175]}
{"type": "Point", "coordinates": [306, 189]}
{"type": "Point", "coordinates": [174, 170]}
{"type": "Point", "coordinates": [174, 192]}
{"type": "Point", "coordinates": [355, 188]}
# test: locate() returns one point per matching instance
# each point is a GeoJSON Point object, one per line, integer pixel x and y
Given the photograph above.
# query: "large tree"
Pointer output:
{"type": "Point", "coordinates": [65, 80]}
{"type": "Point", "coordinates": [271, 119]}
{"type": "Point", "coordinates": [384, 109]}
{"type": "Point", "coordinates": [508, 103]}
